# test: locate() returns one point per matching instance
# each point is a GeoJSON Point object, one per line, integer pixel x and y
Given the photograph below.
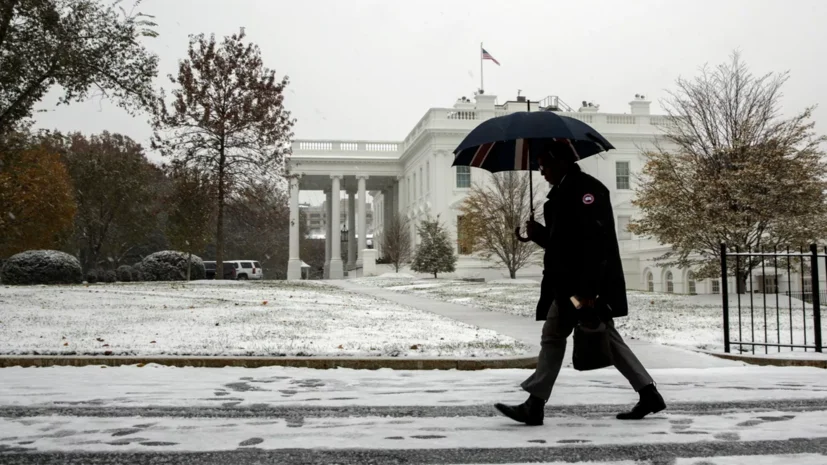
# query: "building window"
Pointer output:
{"type": "Point", "coordinates": [716, 286]}
{"type": "Point", "coordinates": [622, 172]}
{"type": "Point", "coordinates": [691, 283]}
{"type": "Point", "coordinates": [623, 233]}
{"type": "Point", "coordinates": [650, 282]}
{"type": "Point", "coordinates": [414, 186]}
{"type": "Point", "coordinates": [463, 244]}
{"type": "Point", "coordinates": [670, 286]}
{"type": "Point", "coordinates": [463, 177]}
{"type": "Point", "coordinates": [421, 183]}
{"type": "Point", "coordinates": [769, 284]}
{"type": "Point", "coordinates": [807, 284]}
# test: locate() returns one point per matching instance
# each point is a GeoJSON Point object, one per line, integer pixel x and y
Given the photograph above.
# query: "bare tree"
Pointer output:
{"type": "Point", "coordinates": [733, 171]}
{"type": "Point", "coordinates": [396, 241]}
{"type": "Point", "coordinates": [227, 118]}
{"type": "Point", "coordinates": [490, 214]}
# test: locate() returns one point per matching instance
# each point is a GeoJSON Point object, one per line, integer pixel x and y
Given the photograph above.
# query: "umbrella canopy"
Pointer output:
{"type": "Point", "coordinates": [505, 143]}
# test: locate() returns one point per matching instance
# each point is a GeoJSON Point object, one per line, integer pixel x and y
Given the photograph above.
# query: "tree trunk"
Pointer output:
{"type": "Point", "coordinates": [189, 265]}
{"type": "Point", "coordinates": [434, 275]}
{"type": "Point", "coordinates": [396, 266]}
{"type": "Point", "coordinates": [741, 283]}
{"type": "Point", "coordinates": [219, 233]}
{"type": "Point", "coordinates": [513, 274]}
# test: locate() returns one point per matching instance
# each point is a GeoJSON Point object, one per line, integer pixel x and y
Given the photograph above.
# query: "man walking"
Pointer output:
{"type": "Point", "coordinates": [582, 273]}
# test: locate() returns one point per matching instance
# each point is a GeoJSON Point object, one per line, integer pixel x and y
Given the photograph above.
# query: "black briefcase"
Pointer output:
{"type": "Point", "coordinates": [591, 345]}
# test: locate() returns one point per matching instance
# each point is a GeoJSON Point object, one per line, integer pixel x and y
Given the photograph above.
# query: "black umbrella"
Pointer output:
{"type": "Point", "coordinates": [511, 142]}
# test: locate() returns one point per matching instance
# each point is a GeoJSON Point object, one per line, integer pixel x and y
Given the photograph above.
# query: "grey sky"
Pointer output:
{"type": "Point", "coordinates": [370, 69]}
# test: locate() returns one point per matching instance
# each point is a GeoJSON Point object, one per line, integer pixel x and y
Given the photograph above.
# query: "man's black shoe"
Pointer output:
{"type": "Point", "coordinates": [650, 402]}
{"type": "Point", "coordinates": [529, 412]}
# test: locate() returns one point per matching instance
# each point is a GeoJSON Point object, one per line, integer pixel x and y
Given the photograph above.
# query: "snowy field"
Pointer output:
{"type": "Point", "coordinates": [685, 321]}
{"type": "Point", "coordinates": [229, 318]}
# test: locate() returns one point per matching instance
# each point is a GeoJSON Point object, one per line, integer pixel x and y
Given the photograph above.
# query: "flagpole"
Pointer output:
{"type": "Point", "coordinates": [482, 87]}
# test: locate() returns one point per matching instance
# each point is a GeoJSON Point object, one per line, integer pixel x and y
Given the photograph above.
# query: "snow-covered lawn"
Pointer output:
{"type": "Point", "coordinates": [230, 318]}
{"type": "Point", "coordinates": [680, 320]}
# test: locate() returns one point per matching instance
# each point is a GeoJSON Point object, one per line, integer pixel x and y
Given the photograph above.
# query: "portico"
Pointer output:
{"type": "Point", "coordinates": [351, 169]}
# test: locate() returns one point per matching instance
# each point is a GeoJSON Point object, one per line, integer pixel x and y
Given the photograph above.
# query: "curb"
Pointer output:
{"type": "Point", "coordinates": [770, 361]}
{"type": "Point", "coordinates": [321, 363]}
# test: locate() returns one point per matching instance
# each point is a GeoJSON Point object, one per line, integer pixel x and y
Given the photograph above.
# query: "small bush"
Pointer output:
{"type": "Point", "coordinates": [109, 276]}
{"type": "Point", "coordinates": [125, 273]}
{"type": "Point", "coordinates": [170, 265]}
{"type": "Point", "coordinates": [137, 273]}
{"type": "Point", "coordinates": [92, 276]}
{"type": "Point", "coordinates": [41, 267]}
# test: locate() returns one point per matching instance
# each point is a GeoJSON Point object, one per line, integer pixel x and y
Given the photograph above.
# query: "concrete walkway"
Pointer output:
{"type": "Point", "coordinates": [527, 330]}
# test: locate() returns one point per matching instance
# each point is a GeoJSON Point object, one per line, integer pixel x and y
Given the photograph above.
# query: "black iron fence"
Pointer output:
{"type": "Point", "coordinates": [807, 296]}
{"type": "Point", "coordinates": [770, 317]}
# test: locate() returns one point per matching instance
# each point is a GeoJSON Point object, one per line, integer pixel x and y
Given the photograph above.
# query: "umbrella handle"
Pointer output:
{"type": "Point", "coordinates": [517, 230]}
{"type": "Point", "coordinates": [519, 237]}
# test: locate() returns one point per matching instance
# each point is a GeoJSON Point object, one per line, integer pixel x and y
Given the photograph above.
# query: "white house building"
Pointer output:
{"type": "Point", "coordinates": [414, 177]}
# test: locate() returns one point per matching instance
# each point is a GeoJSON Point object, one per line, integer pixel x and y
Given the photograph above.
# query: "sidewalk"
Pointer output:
{"type": "Point", "coordinates": [156, 414]}
{"type": "Point", "coordinates": [652, 356]}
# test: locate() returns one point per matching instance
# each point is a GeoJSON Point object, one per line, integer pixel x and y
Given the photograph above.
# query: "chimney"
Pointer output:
{"type": "Point", "coordinates": [485, 101]}
{"type": "Point", "coordinates": [640, 106]}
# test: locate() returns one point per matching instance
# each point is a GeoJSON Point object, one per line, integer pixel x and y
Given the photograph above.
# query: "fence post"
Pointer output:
{"type": "Point", "coordinates": [816, 297]}
{"type": "Point", "coordinates": [725, 294]}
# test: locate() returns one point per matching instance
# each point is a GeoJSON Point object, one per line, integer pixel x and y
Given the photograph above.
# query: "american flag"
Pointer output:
{"type": "Point", "coordinates": [487, 56]}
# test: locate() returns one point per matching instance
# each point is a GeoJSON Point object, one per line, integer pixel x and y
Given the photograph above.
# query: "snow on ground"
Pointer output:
{"type": "Point", "coordinates": [202, 409]}
{"type": "Point", "coordinates": [255, 318]}
{"type": "Point", "coordinates": [396, 276]}
{"type": "Point", "coordinates": [382, 432]}
{"type": "Point", "coordinates": [170, 410]}
{"type": "Point", "coordinates": [162, 386]}
{"type": "Point", "coordinates": [680, 320]}
{"type": "Point", "coordinates": [529, 282]}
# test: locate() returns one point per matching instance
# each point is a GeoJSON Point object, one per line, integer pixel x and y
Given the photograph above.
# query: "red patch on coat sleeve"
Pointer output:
{"type": "Point", "coordinates": [588, 199]}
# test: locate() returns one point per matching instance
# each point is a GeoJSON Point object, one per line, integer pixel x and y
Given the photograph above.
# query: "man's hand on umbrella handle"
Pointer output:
{"type": "Point", "coordinates": [529, 228]}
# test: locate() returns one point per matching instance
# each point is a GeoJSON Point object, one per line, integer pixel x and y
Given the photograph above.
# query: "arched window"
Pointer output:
{"type": "Point", "coordinates": [690, 277]}
{"type": "Point", "coordinates": [650, 282]}
{"type": "Point", "coordinates": [670, 286]}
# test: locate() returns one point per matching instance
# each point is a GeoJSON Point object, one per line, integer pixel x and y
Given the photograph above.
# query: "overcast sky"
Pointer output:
{"type": "Point", "coordinates": [364, 69]}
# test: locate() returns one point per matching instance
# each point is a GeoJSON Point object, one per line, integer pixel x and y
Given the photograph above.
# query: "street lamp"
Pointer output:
{"type": "Point", "coordinates": [343, 234]}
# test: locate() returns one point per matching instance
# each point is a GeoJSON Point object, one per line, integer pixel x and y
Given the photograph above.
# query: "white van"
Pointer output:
{"type": "Point", "coordinates": [247, 269]}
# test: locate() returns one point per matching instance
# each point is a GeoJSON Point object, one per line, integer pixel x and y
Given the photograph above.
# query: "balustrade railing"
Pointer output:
{"type": "Point", "coordinates": [345, 146]}
{"type": "Point", "coordinates": [463, 119]}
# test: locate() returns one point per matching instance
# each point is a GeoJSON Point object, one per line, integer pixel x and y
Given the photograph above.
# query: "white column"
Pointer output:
{"type": "Point", "coordinates": [327, 241]}
{"type": "Point", "coordinates": [388, 211]}
{"type": "Point", "coordinates": [403, 196]}
{"type": "Point", "coordinates": [361, 226]}
{"type": "Point", "coordinates": [336, 265]}
{"type": "Point", "coordinates": [351, 230]}
{"type": "Point", "coordinates": [294, 265]}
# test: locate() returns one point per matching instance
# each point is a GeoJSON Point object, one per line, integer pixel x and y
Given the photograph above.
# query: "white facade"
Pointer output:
{"type": "Point", "coordinates": [414, 177]}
